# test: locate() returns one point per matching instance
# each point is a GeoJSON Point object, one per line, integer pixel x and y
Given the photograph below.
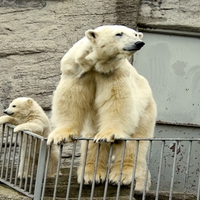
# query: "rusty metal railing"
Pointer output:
{"type": "Point", "coordinates": [173, 163]}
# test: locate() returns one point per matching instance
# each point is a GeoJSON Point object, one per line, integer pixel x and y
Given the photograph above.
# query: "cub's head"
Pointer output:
{"type": "Point", "coordinates": [19, 108]}
{"type": "Point", "coordinates": [113, 40]}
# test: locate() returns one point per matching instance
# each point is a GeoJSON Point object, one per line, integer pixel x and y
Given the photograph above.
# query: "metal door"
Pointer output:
{"type": "Point", "coordinates": [171, 64]}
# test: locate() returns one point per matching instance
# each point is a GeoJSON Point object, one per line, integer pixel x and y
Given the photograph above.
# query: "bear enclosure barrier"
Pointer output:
{"type": "Point", "coordinates": [173, 164]}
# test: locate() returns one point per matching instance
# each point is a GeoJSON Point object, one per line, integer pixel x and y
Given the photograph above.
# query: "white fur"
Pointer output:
{"type": "Point", "coordinates": [102, 96]}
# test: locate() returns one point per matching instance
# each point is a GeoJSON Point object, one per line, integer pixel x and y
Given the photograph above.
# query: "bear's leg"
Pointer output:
{"type": "Point", "coordinates": [145, 129]}
{"type": "Point", "coordinates": [71, 102]}
{"type": "Point", "coordinates": [90, 162]}
{"type": "Point", "coordinates": [23, 158]}
{"type": "Point", "coordinates": [128, 165]}
{"type": "Point", "coordinates": [32, 127]}
{"type": "Point", "coordinates": [141, 175]}
{"type": "Point", "coordinates": [7, 119]}
{"type": "Point", "coordinates": [53, 161]}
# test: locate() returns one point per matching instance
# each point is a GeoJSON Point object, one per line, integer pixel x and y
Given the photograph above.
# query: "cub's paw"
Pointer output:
{"type": "Point", "coordinates": [4, 119]}
{"type": "Point", "coordinates": [89, 175]}
{"type": "Point", "coordinates": [61, 135]}
{"type": "Point", "coordinates": [20, 128]}
{"type": "Point", "coordinates": [126, 177]}
{"type": "Point", "coordinates": [108, 135]}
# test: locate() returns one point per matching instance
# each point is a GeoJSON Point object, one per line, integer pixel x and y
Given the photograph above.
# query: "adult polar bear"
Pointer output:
{"type": "Point", "coordinates": [101, 96]}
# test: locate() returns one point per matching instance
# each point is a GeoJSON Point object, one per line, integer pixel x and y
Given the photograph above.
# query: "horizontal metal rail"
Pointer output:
{"type": "Point", "coordinates": [167, 159]}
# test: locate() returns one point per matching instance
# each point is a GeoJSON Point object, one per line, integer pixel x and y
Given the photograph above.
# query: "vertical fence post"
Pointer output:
{"type": "Point", "coordinates": [40, 170]}
{"type": "Point", "coordinates": [198, 189]}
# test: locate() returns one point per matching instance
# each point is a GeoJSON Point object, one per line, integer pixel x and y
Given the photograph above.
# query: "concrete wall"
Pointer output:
{"type": "Point", "coordinates": [34, 35]}
{"type": "Point", "coordinates": [170, 14]}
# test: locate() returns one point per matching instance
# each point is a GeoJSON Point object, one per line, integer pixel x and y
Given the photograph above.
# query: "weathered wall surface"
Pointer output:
{"type": "Point", "coordinates": [34, 35]}
{"type": "Point", "coordinates": [170, 14]}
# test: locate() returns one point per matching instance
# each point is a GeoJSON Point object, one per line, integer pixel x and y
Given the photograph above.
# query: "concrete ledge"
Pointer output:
{"type": "Point", "coordinates": [7, 193]}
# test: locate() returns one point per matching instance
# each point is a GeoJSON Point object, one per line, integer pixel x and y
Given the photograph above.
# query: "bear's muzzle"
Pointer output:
{"type": "Point", "coordinates": [8, 113]}
{"type": "Point", "coordinates": [134, 47]}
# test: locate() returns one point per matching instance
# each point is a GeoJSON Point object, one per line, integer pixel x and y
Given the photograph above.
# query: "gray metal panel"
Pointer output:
{"type": "Point", "coordinates": [176, 132]}
{"type": "Point", "coordinates": [172, 66]}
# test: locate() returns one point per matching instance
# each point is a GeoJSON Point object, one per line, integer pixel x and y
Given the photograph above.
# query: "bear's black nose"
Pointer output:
{"type": "Point", "coordinates": [5, 112]}
{"type": "Point", "coordinates": [139, 44]}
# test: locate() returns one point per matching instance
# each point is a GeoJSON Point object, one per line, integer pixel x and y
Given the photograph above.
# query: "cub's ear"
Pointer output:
{"type": "Point", "coordinates": [140, 35]}
{"type": "Point", "coordinates": [91, 35]}
{"type": "Point", "coordinates": [30, 101]}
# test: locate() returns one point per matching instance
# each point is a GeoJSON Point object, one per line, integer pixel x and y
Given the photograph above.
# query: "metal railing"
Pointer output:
{"type": "Point", "coordinates": [24, 160]}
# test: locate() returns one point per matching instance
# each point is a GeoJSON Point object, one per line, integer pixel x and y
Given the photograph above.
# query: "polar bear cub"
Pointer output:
{"type": "Point", "coordinates": [101, 96]}
{"type": "Point", "coordinates": [27, 115]}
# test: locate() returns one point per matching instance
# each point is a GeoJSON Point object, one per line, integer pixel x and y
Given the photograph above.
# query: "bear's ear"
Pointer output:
{"type": "Point", "coordinates": [140, 35]}
{"type": "Point", "coordinates": [91, 35]}
{"type": "Point", "coordinates": [29, 101]}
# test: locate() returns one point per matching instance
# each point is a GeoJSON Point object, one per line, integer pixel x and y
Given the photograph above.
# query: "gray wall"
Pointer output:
{"type": "Point", "coordinates": [34, 35]}
{"type": "Point", "coordinates": [170, 14]}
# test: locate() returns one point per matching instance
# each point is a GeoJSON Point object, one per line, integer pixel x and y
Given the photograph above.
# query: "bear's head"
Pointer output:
{"type": "Point", "coordinates": [19, 108]}
{"type": "Point", "coordinates": [114, 41]}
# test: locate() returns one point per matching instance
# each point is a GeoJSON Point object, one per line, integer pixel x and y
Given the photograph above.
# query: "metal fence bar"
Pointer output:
{"type": "Point", "coordinates": [95, 171]}
{"type": "Point", "coordinates": [4, 155]}
{"type": "Point", "coordinates": [40, 170]}
{"type": "Point", "coordinates": [46, 170]}
{"type": "Point", "coordinates": [147, 139]}
{"type": "Point", "coordinates": [18, 163]}
{"type": "Point", "coordinates": [160, 169]}
{"type": "Point", "coordinates": [9, 153]}
{"type": "Point", "coordinates": [1, 147]}
{"type": "Point", "coordinates": [71, 168]}
{"type": "Point", "coordinates": [17, 188]}
{"type": "Point", "coordinates": [23, 151]}
{"type": "Point", "coordinates": [29, 141]}
{"type": "Point", "coordinates": [57, 174]}
{"type": "Point", "coordinates": [173, 171]}
{"type": "Point", "coordinates": [33, 163]}
{"type": "Point", "coordinates": [134, 170]}
{"type": "Point", "coordinates": [121, 169]}
{"type": "Point", "coordinates": [198, 189]}
{"type": "Point", "coordinates": [13, 161]}
{"type": "Point", "coordinates": [147, 170]}
{"type": "Point", "coordinates": [108, 171]}
{"type": "Point", "coordinates": [83, 170]}
{"type": "Point", "coordinates": [187, 168]}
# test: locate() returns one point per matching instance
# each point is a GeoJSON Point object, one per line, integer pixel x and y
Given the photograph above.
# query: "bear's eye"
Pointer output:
{"type": "Point", "coordinates": [136, 35]}
{"type": "Point", "coordinates": [14, 106]}
{"type": "Point", "coordinates": [119, 34]}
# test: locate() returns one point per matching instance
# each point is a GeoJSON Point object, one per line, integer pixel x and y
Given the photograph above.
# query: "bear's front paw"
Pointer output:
{"type": "Point", "coordinates": [61, 135]}
{"type": "Point", "coordinates": [3, 120]}
{"type": "Point", "coordinates": [126, 177]}
{"type": "Point", "coordinates": [108, 136]}
{"type": "Point", "coordinates": [89, 175]}
{"type": "Point", "coordinates": [20, 128]}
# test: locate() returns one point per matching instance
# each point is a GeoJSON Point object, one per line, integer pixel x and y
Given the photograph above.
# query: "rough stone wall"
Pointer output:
{"type": "Point", "coordinates": [34, 35]}
{"type": "Point", "coordinates": [170, 14]}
